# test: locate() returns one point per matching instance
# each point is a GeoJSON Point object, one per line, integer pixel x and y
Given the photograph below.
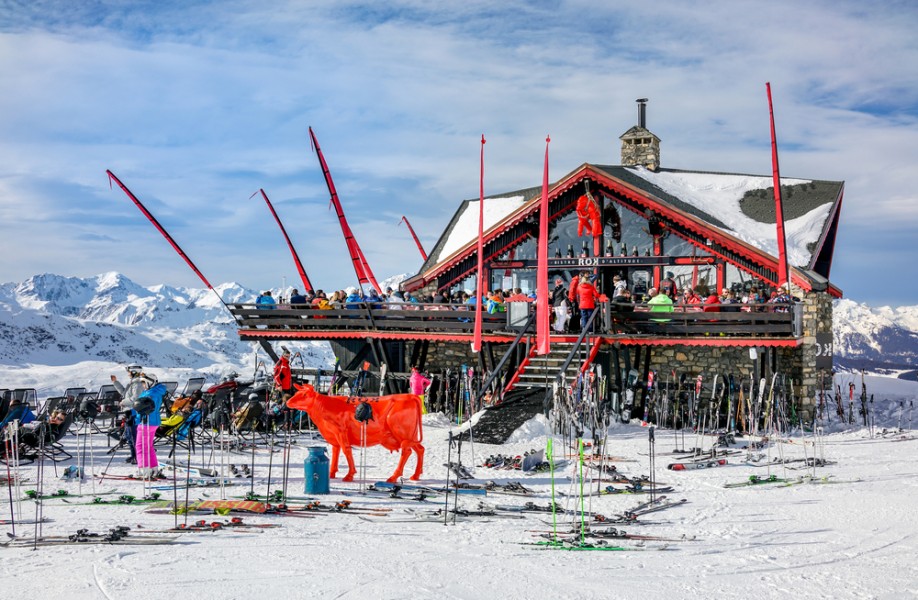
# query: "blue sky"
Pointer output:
{"type": "Point", "coordinates": [196, 105]}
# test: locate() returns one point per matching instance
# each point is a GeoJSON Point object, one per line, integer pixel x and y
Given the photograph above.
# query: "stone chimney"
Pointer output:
{"type": "Point", "coordinates": [640, 146]}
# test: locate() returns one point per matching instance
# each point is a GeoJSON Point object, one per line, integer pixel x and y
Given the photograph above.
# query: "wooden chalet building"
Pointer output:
{"type": "Point", "coordinates": [714, 229]}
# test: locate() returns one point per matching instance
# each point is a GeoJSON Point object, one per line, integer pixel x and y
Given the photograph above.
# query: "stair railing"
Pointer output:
{"type": "Point", "coordinates": [500, 365]}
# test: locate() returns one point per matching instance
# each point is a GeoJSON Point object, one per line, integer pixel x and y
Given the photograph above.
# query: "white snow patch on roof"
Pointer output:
{"type": "Point", "coordinates": [466, 228]}
{"type": "Point", "coordinates": [719, 195]}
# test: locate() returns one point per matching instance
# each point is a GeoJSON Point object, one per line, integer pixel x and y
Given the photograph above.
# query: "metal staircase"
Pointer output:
{"type": "Point", "coordinates": [541, 371]}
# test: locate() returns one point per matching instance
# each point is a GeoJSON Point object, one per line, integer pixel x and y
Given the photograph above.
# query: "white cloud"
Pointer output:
{"type": "Point", "coordinates": [197, 105]}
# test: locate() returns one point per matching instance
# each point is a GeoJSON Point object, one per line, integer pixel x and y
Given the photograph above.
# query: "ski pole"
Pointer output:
{"type": "Point", "coordinates": [449, 459]}
{"type": "Point", "coordinates": [582, 508]}
{"type": "Point", "coordinates": [39, 505]}
{"type": "Point", "coordinates": [188, 473]}
{"type": "Point", "coordinates": [459, 462]}
{"type": "Point", "coordinates": [652, 445]}
{"type": "Point", "coordinates": [252, 474]}
{"type": "Point", "coordinates": [554, 516]}
{"type": "Point", "coordinates": [9, 479]}
{"type": "Point", "coordinates": [175, 476]}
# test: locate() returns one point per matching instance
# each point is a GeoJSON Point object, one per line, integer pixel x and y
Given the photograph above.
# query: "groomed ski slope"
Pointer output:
{"type": "Point", "coordinates": [845, 540]}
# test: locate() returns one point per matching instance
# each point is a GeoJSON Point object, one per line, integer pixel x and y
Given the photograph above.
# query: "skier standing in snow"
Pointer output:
{"type": "Point", "coordinates": [418, 385]}
{"type": "Point", "coordinates": [147, 419]}
{"type": "Point", "coordinates": [283, 378]}
{"type": "Point", "coordinates": [139, 383]}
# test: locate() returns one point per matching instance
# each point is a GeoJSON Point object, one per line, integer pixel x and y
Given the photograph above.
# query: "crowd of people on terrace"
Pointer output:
{"type": "Point", "coordinates": [578, 298]}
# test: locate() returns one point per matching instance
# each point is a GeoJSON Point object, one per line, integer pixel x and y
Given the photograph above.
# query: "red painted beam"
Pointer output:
{"type": "Point", "coordinates": [739, 342]}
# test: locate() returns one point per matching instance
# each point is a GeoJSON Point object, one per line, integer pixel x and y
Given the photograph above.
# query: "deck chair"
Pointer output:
{"type": "Point", "coordinates": [169, 425]}
{"type": "Point", "coordinates": [32, 445]}
{"type": "Point", "coordinates": [49, 406]}
{"type": "Point", "coordinates": [73, 392]}
{"type": "Point", "coordinates": [5, 398]}
{"type": "Point", "coordinates": [169, 397]}
{"type": "Point", "coordinates": [192, 385]}
{"type": "Point", "coordinates": [109, 400]}
{"type": "Point", "coordinates": [179, 431]}
{"type": "Point", "coordinates": [27, 396]}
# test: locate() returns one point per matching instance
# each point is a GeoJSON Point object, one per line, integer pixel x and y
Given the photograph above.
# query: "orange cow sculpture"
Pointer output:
{"type": "Point", "coordinates": [395, 425]}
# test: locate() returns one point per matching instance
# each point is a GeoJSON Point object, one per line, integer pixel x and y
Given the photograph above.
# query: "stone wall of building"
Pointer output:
{"type": "Point", "coordinates": [798, 363]}
{"type": "Point", "coordinates": [442, 355]}
{"type": "Point", "coordinates": [817, 318]}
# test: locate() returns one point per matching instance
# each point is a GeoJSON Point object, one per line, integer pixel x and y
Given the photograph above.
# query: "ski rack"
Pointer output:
{"type": "Point", "coordinates": [590, 358]}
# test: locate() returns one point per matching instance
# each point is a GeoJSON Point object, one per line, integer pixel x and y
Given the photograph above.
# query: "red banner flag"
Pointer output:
{"type": "Point", "coordinates": [361, 268]}
{"type": "Point", "coordinates": [415, 236]}
{"type": "Point", "coordinates": [543, 319]}
{"type": "Point", "coordinates": [479, 294]}
{"type": "Point", "coordinates": [161, 229]}
{"type": "Point", "coordinates": [296, 257]}
{"type": "Point", "coordinates": [783, 271]}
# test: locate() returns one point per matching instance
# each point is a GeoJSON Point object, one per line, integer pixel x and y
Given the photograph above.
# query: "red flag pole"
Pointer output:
{"type": "Point", "coordinates": [296, 257]}
{"type": "Point", "coordinates": [476, 341]}
{"type": "Point", "coordinates": [783, 270]}
{"type": "Point", "coordinates": [694, 272]}
{"type": "Point", "coordinates": [543, 343]}
{"type": "Point", "coordinates": [361, 268]}
{"type": "Point", "coordinates": [162, 230]}
{"type": "Point", "coordinates": [415, 236]}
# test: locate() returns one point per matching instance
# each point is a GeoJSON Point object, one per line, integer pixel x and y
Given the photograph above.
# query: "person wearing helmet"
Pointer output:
{"type": "Point", "coordinates": [139, 383]}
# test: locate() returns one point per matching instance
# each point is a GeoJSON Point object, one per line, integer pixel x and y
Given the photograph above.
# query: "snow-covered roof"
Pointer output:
{"type": "Point", "coordinates": [464, 226]}
{"type": "Point", "coordinates": [734, 204]}
{"type": "Point", "coordinates": [739, 205]}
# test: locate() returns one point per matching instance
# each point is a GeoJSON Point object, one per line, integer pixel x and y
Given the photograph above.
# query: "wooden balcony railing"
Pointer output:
{"type": "Point", "coordinates": [769, 320]}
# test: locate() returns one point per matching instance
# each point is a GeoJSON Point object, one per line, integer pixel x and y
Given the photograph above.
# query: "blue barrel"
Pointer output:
{"type": "Point", "coordinates": [315, 469]}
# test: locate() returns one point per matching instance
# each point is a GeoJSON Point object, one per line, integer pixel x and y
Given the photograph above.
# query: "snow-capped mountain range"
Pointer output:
{"type": "Point", "coordinates": [53, 328]}
{"type": "Point", "coordinates": [57, 332]}
{"type": "Point", "coordinates": [881, 340]}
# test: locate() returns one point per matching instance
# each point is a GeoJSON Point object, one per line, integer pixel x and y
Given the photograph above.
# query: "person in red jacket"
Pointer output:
{"type": "Point", "coordinates": [283, 379]}
{"type": "Point", "coordinates": [586, 298]}
{"type": "Point", "coordinates": [691, 301]}
{"type": "Point", "coordinates": [572, 291]}
{"type": "Point", "coordinates": [712, 303]}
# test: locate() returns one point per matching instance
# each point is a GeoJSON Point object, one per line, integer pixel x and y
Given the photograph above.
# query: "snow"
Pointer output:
{"type": "Point", "coordinates": [466, 227]}
{"type": "Point", "coordinates": [847, 540]}
{"type": "Point", "coordinates": [720, 194]}
{"type": "Point", "coordinates": [714, 193]}
{"type": "Point", "coordinates": [854, 539]}
{"type": "Point", "coordinates": [55, 330]}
